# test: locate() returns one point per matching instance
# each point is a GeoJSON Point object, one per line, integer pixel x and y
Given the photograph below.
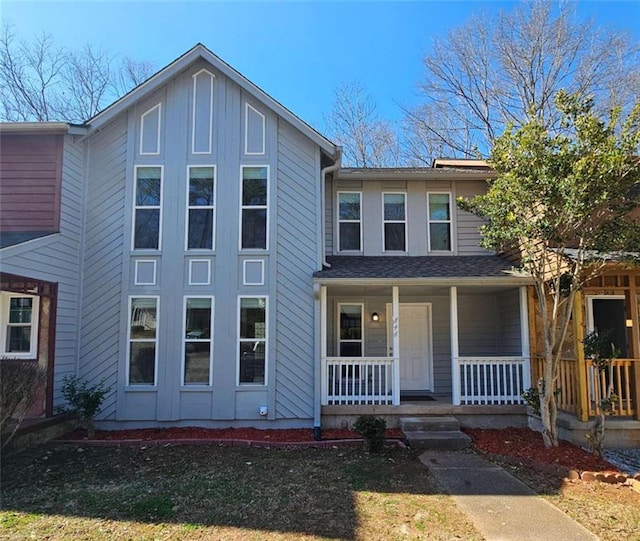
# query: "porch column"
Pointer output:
{"type": "Point", "coordinates": [323, 345]}
{"type": "Point", "coordinates": [524, 338]}
{"type": "Point", "coordinates": [395, 320]}
{"type": "Point", "coordinates": [581, 364]}
{"type": "Point", "coordinates": [635, 343]}
{"type": "Point", "coordinates": [455, 367]}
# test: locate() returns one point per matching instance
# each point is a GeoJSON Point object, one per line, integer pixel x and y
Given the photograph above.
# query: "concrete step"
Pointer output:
{"type": "Point", "coordinates": [444, 439]}
{"type": "Point", "coordinates": [436, 423]}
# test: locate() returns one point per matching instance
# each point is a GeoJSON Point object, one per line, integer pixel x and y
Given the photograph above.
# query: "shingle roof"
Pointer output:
{"type": "Point", "coordinates": [415, 267]}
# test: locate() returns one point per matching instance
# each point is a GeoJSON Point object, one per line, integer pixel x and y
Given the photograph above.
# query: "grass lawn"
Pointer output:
{"type": "Point", "coordinates": [210, 492]}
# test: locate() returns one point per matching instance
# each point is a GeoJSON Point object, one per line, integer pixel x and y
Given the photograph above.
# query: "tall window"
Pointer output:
{"type": "Point", "coordinates": [349, 222]}
{"type": "Point", "coordinates": [19, 325]}
{"type": "Point", "coordinates": [439, 221]}
{"type": "Point", "coordinates": [197, 340]}
{"type": "Point", "coordinates": [201, 208]}
{"type": "Point", "coordinates": [147, 208]}
{"type": "Point", "coordinates": [350, 332]}
{"type": "Point", "coordinates": [252, 340]}
{"type": "Point", "coordinates": [395, 222]}
{"type": "Point", "coordinates": [143, 325]}
{"type": "Point", "coordinates": [255, 192]}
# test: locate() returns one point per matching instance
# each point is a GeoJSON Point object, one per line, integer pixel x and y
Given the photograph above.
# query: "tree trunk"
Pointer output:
{"type": "Point", "coordinates": [548, 413]}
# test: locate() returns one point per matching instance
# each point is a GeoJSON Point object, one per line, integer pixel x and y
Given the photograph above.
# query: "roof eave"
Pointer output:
{"type": "Point", "coordinates": [31, 128]}
{"type": "Point", "coordinates": [413, 174]}
{"type": "Point", "coordinates": [440, 281]}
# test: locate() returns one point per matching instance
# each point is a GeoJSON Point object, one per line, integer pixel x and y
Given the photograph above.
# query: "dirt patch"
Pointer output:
{"type": "Point", "coordinates": [294, 435]}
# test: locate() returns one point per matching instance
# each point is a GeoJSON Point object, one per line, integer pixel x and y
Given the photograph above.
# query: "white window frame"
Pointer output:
{"type": "Point", "coordinates": [239, 339]}
{"type": "Point", "coordinates": [197, 340]}
{"type": "Point", "coordinates": [138, 340]}
{"type": "Point", "coordinates": [193, 112]}
{"type": "Point", "coordinates": [142, 116]}
{"type": "Point", "coordinates": [254, 207]}
{"type": "Point", "coordinates": [208, 262]}
{"type": "Point", "coordinates": [405, 222]}
{"type": "Point", "coordinates": [246, 130]}
{"type": "Point", "coordinates": [201, 207]}
{"type": "Point", "coordinates": [339, 221]}
{"type": "Point", "coordinates": [5, 306]}
{"type": "Point", "coordinates": [136, 207]}
{"type": "Point", "coordinates": [449, 221]}
{"type": "Point", "coordinates": [362, 329]}
{"type": "Point", "coordinates": [136, 282]}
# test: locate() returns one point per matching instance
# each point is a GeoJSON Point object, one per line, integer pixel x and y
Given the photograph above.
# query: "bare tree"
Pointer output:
{"type": "Point", "coordinates": [506, 69]}
{"type": "Point", "coordinates": [354, 123]}
{"type": "Point", "coordinates": [40, 81]}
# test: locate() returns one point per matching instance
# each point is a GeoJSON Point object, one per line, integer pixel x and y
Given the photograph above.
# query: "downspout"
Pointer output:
{"type": "Point", "coordinates": [317, 406]}
{"type": "Point", "coordinates": [323, 182]}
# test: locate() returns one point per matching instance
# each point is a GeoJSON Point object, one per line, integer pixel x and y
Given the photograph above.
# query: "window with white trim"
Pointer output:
{"type": "Point", "coordinates": [19, 325]}
{"type": "Point", "coordinates": [201, 207]}
{"type": "Point", "coordinates": [198, 320]}
{"type": "Point", "coordinates": [350, 336]}
{"type": "Point", "coordinates": [394, 222]}
{"type": "Point", "coordinates": [147, 208]}
{"type": "Point", "coordinates": [143, 337]}
{"type": "Point", "coordinates": [439, 206]}
{"type": "Point", "coordinates": [349, 222]}
{"type": "Point", "coordinates": [254, 208]}
{"type": "Point", "coordinates": [252, 362]}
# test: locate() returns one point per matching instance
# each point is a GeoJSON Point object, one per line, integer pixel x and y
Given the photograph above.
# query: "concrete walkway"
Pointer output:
{"type": "Point", "coordinates": [500, 506]}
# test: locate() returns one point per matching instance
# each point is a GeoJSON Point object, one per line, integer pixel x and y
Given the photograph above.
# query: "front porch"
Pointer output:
{"type": "Point", "coordinates": [385, 348]}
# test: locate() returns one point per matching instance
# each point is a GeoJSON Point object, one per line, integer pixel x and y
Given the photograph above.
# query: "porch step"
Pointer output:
{"type": "Point", "coordinates": [434, 432]}
{"type": "Point", "coordinates": [431, 423]}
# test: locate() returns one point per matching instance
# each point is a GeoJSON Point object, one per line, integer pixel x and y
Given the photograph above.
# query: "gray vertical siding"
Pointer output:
{"type": "Point", "coordinates": [296, 260]}
{"type": "Point", "coordinates": [56, 259]}
{"type": "Point", "coordinates": [104, 244]}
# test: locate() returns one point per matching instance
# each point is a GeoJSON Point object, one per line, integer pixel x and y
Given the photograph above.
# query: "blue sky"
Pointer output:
{"type": "Point", "coordinates": [298, 52]}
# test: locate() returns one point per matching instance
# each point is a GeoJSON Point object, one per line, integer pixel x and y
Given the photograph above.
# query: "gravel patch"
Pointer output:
{"type": "Point", "coordinates": [628, 460]}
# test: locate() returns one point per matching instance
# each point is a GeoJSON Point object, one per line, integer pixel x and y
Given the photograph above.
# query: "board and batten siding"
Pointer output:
{"type": "Point", "coordinates": [30, 182]}
{"type": "Point", "coordinates": [296, 260]}
{"type": "Point", "coordinates": [104, 243]}
{"type": "Point", "coordinates": [56, 258]}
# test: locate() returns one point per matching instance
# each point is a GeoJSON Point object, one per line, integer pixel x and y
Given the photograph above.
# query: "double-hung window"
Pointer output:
{"type": "Point", "coordinates": [350, 332]}
{"type": "Point", "coordinates": [254, 208]}
{"type": "Point", "coordinates": [197, 340]}
{"type": "Point", "coordinates": [147, 208]}
{"type": "Point", "coordinates": [252, 363]}
{"type": "Point", "coordinates": [439, 205]}
{"type": "Point", "coordinates": [349, 222]}
{"type": "Point", "coordinates": [143, 336]}
{"type": "Point", "coordinates": [19, 325]}
{"type": "Point", "coordinates": [201, 207]}
{"type": "Point", "coordinates": [395, 222]}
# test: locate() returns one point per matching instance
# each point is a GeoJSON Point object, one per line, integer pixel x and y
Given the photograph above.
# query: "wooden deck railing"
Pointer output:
{"type": "Point", "coordinates": [569, 387]}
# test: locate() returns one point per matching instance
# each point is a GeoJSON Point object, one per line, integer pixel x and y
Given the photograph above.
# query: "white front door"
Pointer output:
{"type": "Point", "coordinates": [416, 363]}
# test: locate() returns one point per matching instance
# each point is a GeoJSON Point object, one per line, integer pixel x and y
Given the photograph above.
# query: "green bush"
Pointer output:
{"type": "Point", "coordinates": [373, 430]}
{"type": "Point", "coordinates": [84, 400]}
{"type": "Point", "coordinates": [19, 384]}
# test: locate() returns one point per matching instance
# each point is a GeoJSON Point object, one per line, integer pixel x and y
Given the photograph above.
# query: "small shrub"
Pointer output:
{"type": "Point", "coordinates": [532, 398]}
{"type": "Point", "coordinates": [19, 384]}
{"type": "Point", "coordinates": [373, 430]}
{"type": "Point", "coordinates": [84, 400]}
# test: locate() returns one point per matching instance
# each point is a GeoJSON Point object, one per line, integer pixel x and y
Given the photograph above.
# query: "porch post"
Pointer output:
{"type": "Point", "coordinates": [581, 372]}
{"type": "Point", "coordinates": [323, 344]}
{"type": "Point", "coordinates": [455, 367]}
{"type": "Point", "coordinates": [635, 342]}
{"type": "Point", "coordinates": [524, 338]}
{"type": "Point", "coordinates": [395, 321]}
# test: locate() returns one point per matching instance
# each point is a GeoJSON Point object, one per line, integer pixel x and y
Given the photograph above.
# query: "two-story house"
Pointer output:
{"type": "Point", "coordinates": [200, 249]}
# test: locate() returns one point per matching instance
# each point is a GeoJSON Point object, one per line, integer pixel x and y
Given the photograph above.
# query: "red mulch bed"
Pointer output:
{"type": "Point", "coordinates": [291, 435]}
{"type": "Point", "coordinates": [527, 446]}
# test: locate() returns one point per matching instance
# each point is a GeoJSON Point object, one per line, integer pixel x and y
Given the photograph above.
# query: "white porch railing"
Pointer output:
{"type": "Point", "coordinates": [491, 380]}
{"type": "Point", "coordinates": [359, 381]}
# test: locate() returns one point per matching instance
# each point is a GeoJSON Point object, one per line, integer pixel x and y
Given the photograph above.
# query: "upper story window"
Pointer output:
{"type": "Point", "coordinates": [254, 208]}
{"type": "Point", "coordinates": [395, 222]}
{"type": "Point", "coordinates": [349, 221]}
{"type": "Point", "coordinates": [439, 222]}
{"type": "Point", "coordinates": [350, 340]}
{"type": "Point", "coordinates": [147, 208]}
{"type": "Point", "coordinates": [19, 325]}
{"type": "Point", "coordinates": [201, 208]}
